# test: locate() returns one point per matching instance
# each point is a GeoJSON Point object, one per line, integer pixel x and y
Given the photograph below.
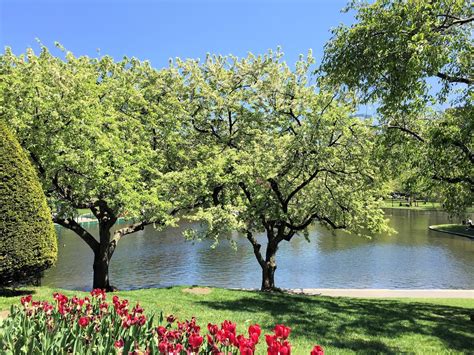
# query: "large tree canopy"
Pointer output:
{"type": "Point", "coordinates": [285, 153]}
{"type": "Point", "coordinates": [394, 47]}
{"type": "Point", "coordinates": [100, 134]}
{"type": "Point", "coordinates": [408, 56]}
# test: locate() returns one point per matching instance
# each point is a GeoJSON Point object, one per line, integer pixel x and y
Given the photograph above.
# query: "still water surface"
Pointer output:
{"type": "Point", "coordinates": [413, 258]}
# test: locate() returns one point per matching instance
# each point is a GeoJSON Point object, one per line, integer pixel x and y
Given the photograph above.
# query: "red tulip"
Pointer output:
{"type": "Point", "coordinates": [246, 351]}
{"type": "Point", "coordinates": [127, 322]}
{"type": "Point", "coordinates": [285, 349]}
{"type": "Point", "coordinates": [178, 348]}
{"type": "Point", "coordinates": [47, 308]}
{"type": "Point", "coordinates": [317, 350]}
{"type": "Point", "coordinates": [213, 328]}
{"type": "Point", "coordinates": [137, 309]}
{"type": "Point", "coordinates": [83, 321]}
{"type": "Point", "coordinates": [195, 340]}
{"type": "Point", "coordinates": [63, 309]}
{"type": "Point", "coordinates": [119, 343]}
{"type": "Point", "coordinates": [163, 347]}
{"type": "Point", "coordinates": [254, 332]}
{"type": "Point", "coordinates": [281, 331]}
{"type": "Point", "coordinates": [104, 307]}
{"type": "Point", "coordinates": [270, 339]}
{"type": "Point", "coordinates": [25, 300]}
{"type": "Point", "coordinates": [60, 297]}
{"type": "Point", "coordinates": [246, 346]}
{"type": "Point", "coordinates": [98, 293]}
{"type": "Point", "coordinates": [141, 320]}
{"type": "Point", "coordinates": [228, 326]}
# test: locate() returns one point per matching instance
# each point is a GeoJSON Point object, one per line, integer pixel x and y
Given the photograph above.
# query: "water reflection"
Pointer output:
{"type": "Point", "coordinates": [413, 258]}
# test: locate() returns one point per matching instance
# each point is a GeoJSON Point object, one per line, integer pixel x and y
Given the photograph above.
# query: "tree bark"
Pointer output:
{"type": "Point", "coordinates": [269, 266]}
{"type": "Point", "coordinates": [103, 255]}
{"type": "Point", "coordinates": [101, 272]}
{"type": "Point", "coordinates": [268, 278]}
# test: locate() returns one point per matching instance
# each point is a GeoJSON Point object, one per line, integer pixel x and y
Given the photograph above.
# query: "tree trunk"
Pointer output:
{"type": "Point", "coordinates": [101, 271]}
{"type": "Point", "coordinates": [269, 267]}
{"type": "Point", "coordinates": [268, 278]}
{"type": "Point", "coordinates": [102, 258]}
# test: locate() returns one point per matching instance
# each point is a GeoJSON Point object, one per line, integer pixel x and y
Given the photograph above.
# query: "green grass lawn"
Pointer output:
{"type": "Point", "coordinates": [341, 325]}
{"type": "Point", "coordinates": [454, 229]}
{"type": "Point", "coordinates": [428, 206]}
{"type": "Point", "coordinates": [82, 211]}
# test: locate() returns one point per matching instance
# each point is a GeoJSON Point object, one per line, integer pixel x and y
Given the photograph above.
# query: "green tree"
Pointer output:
{"type": "Point", "coordinates": [91, 129]}
{"type": "Point", "coordinates": [449, 145]}
{"type": "Point", "coordinates": [28, 242]}
{"type": "Point", "coordinates": [282, 153]}
{"type": "Point", "coordinates": [408, 56]}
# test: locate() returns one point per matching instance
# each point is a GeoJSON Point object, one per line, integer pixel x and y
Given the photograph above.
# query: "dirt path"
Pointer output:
{"type": "Point", "coordinates": [4, 314]}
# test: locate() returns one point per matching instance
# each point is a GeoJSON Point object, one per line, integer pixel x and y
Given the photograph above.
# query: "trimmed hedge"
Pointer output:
{"type": "Point", "coordinates": [28, 243]}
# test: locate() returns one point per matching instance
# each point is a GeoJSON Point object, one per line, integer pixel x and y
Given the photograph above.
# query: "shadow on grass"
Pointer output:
{"type": "Point", "coordinates": [369, 326]}
{"type": "Point", "coordinates": [12, 292]}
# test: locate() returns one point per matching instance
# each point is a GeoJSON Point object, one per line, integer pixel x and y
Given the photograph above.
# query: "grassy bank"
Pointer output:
{"type": "Point", "coordinates": [457, 229]}
{"type": "Point", "coordinates": [341, 325]}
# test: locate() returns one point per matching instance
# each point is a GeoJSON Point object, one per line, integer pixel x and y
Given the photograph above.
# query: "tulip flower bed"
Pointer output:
{"type": "Point", "coordinates": [91, 325]}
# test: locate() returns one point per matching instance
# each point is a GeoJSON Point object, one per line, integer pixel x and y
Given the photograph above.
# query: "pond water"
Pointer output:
{"type": "Point", "coordinates": [413, 258]}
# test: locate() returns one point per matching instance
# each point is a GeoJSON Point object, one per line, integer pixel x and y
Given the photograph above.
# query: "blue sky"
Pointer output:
{"type": "Point", "coordinates": [159, 30]}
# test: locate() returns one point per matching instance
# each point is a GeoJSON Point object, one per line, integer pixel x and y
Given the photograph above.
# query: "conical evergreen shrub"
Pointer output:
{"type": "Point", "coordinates": [28, 243]}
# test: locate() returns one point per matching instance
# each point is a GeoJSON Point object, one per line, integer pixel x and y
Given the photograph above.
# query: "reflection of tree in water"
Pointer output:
{"type": "Point", "coordinates": [235, 265]}
{"type": "Point", "coordinates": [411, 226]}
{"type": "Point", "coordinates": [161, 258]}
{"type": "Point", "coordinates": [412, 231]}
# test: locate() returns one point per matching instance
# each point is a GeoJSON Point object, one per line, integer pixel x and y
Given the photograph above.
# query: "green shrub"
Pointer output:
{"type": "Point", "coordinates": [28, 243]}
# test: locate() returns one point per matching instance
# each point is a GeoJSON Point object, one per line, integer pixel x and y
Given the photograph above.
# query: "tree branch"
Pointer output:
{"type": "Point", "coordinates": [38, 164]}
{"type": "Point", "coordinates": [455, 79]}
{"type": "Point", "coordinates": [256, 248]}
{"type": "Point", "coordinates": [301, 186]}
{"type": "Point", "coordinates": [132, 228]}
{"type": "Point", "coordinates": [103, 213]}
{"type": "Point", "coordinates": [410, 132]}
{"type": "Point", "coordinates": [312, 218]}
{"type": "Point", "coordinates": [457, 21]}
{"type": "Point", "coordinates": [71, 224]}
{"type": "Point", "coordinates": [246, 191]}
{"type": "Point", "coordinates": [455, 180]}
{"type": "Point", "coordinates": [276, 190]}
{"type": "Point", "coordinates": [215, 194]}
{"type": "Point", "coordinates": [328, 104]}
{"type": "Point", "coordinates": [465, 149]}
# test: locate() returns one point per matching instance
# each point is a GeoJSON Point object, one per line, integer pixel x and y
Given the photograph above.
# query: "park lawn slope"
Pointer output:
{"type": "Point", "coordinates": [341, 325]}
{"type": "Point", "coordinates": [456, 229]}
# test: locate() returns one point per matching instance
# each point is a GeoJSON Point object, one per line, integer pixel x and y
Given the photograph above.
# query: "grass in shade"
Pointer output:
{"type": "Point", "coordinates": [341, 325]}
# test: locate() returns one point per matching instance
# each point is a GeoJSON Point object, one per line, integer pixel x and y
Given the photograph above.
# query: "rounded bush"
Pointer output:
{"type": "Point", "coordinates": [28, 243]}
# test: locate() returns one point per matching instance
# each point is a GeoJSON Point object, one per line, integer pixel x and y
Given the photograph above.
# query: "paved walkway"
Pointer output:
{"type": "Point", "coordinates": [384, 293]}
